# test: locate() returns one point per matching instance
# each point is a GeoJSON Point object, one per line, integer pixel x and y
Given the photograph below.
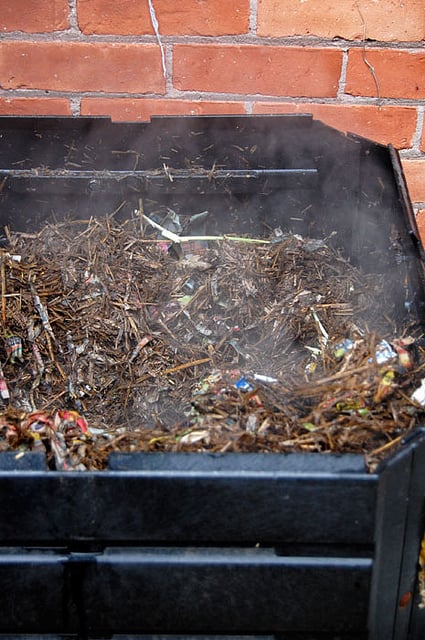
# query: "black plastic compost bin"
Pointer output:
{"type": "Point", "coordinates": [236, 545]}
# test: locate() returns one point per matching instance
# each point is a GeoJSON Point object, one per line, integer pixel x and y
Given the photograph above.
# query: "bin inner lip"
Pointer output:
{"type": "Point", "coordinates": [170, 173]}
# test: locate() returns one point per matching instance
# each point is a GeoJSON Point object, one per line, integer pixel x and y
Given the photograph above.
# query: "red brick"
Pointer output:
{"type": "Point", "coordinates": [265, 70]}
{"type": "Point", "coordinates": [386, 20]}
{"type": "Point", "coordinates": [131, 109]}
{"type": "Point", "coordinates": [400, 74]}
{"type": "Point", "coordinates": [35, 107]}
{"type": "Point", "coordinates": [180, 17]}
{"type": "Point", "coordinates": [414, 171]}
{"type": "Point", "coordinates": [77, 66]}
{"type": "Point", "coordinates": [395, 125]}
{"type": "Point", "coordinates": [420, 221]}
{"type": "Point", "coordinates": [33, 16]}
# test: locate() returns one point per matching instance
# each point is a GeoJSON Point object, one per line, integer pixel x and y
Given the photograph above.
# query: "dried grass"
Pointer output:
{"type": "Point", "coordinates": [219, 346]}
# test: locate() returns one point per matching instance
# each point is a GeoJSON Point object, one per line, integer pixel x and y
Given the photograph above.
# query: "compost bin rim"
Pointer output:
{"type": "Point", "coordinates": [196, 459]}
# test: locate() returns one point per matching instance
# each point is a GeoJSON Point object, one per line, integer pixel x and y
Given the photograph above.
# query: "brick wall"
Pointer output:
{"type": "Point", "coordinates": [358, 65]}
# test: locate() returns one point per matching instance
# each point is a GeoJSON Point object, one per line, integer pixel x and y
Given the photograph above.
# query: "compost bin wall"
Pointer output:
{"type": "Point", "coordinates": [356, 66]}
{"type": "Point", "coordinates": [287, 546]}
{"type": "Point", "coordinates": [299, 546]}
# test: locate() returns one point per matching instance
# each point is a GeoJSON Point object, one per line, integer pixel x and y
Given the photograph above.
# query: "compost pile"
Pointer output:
{"type": "Point", "coordinates": [116, 339]}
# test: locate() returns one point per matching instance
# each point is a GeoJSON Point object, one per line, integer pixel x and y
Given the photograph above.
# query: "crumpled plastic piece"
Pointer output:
{"type": "Point", "coordinates": [60, 432]}
{"type": "Point", "coordinates": [13, 346]}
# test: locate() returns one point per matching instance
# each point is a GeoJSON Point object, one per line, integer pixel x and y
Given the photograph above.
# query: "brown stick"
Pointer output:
{"type": "Point", "coordinates": [185, 365]}
{"type": "Point", "coordinates": [312, 389]}
{"type": "Point", "coordinates": [3, 291]}
{"type": "Point", "coordinates": [386, 446]}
